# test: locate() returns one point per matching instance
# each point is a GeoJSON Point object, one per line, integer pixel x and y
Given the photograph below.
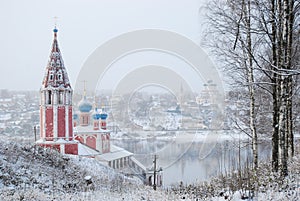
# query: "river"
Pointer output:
{"type": "Point", "coordinates": [191, 157]}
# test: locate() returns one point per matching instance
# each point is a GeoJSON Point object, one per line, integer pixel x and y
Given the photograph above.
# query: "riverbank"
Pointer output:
{"type": "Point", "coordinates": [245, 185]}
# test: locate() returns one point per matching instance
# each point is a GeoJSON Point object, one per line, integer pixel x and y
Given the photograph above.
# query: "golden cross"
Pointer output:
{"type": "Point", "coordinates": [95, 102]}
{"type": "Point", "coordinates": [55, 20]}
{"type": "Point", "coordinates": [84, 87]}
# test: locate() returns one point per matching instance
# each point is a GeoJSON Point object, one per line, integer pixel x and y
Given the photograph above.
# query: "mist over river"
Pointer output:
{"type": "Point", "coordinates": [193, 156]}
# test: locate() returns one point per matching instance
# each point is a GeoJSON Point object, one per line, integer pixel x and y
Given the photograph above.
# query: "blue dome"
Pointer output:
{"type": "Point", "coordinates": [75, 116]}
{"type": "Point", "coordinates": [103, 116]}
{"type": "Point", "coordinates": [96, 115]}
{"type": "Point", "coordinates": [84, 105]}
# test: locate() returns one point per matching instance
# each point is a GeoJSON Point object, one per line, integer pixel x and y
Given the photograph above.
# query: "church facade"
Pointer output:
{"type": "Point", "coordinates": [82, 133]}
{"type": "Point", "coordinates": [90, 126]}
{"type": "Point", "coordinates": [56, 111]}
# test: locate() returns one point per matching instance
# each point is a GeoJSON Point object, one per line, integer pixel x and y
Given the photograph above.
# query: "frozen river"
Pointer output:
{"type": "Point", "coordinates": [193, 156]}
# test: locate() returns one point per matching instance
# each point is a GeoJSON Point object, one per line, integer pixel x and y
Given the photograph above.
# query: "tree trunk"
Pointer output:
{"type": "Point", "coordinates": [251, 85]}
{"type": "Point", "coordinates": [275, 137]}
{"type": "Point", "coordinates": [290, 25]}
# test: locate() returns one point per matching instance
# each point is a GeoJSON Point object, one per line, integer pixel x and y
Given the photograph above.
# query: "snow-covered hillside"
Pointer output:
{"type": "Point", "coordinates": [34, 173]}
{"type": "Point", "coordinates": [245, 185]}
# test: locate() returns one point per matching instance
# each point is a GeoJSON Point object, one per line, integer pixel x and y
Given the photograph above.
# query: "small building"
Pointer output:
{"type": "Point", "coordinates": [90, 129]}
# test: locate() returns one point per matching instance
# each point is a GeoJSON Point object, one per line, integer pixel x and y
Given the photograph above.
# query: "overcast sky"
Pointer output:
{"type": "Point", "coordinates": [26, 31]}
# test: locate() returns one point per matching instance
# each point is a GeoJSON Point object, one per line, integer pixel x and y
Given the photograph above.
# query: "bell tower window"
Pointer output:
{"type": "Point", "coordinates": [68, 97]}
{"type": "Point", "coordinates": [51, 76]}
{"type": "Point", "coordinates": [61, 97]}
{"type": "Point", "coordinates": [49, 98]}
{"type": "Point", "coordinates": [59, 75]}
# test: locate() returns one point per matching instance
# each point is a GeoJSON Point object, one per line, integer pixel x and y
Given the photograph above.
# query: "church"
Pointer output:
{"type": "Point", "coordinates": [83, 133]}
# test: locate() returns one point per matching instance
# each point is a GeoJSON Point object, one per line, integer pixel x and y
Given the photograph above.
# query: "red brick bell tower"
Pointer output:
{"type": "Point", "coordinates": [56, 125]}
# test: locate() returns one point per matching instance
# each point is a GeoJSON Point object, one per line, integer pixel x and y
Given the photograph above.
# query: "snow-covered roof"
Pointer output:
{"type": "Point", "coordinates": [59, 141]}
{"type": "Point", "coordinates": [84, 150]}
{"type": "Point", "coordinates": [114, 148]}
{"type": "Point", "coordinates": [138, 163]}
{"type": "Point", "coordinates": [116, 153]}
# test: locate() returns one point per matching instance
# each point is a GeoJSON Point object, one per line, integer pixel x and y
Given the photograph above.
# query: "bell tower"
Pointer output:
{"type": "Point", "coordinates": [56, 119]}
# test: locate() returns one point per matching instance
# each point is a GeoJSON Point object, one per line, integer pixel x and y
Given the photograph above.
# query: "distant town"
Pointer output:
{"type": "Point", "coordinates": [19, 112]}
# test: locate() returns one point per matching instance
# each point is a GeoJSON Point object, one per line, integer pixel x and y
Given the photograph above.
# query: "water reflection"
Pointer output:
{"type": "Point", "coordinates": [194, 157]}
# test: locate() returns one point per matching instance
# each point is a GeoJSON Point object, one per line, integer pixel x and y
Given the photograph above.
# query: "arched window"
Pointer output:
{"type": "Point", "coordinates": [61, 97]}
{"type": "Point", "coordinates": [70, 97]}
{"type": "Point", "coordinates": [51, 75]}
{"type": "Point", "coordinates": [49, 98]}
{"type": "Point", "coordinates": [86, 120]}
{"type": "Point", "coordinates": [59, 76]}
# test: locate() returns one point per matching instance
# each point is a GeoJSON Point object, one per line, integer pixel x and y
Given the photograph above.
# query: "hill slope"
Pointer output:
{"type": "Point", "coordinates": [34, 173]}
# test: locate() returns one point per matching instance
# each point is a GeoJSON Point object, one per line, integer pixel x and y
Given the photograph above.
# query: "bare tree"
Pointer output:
{"type": "Point", "coordinates": [230, 24]}
{"type": "Point", "coordinates": [277, 22]}
{"type": "Point", "coordinates": [255, 40]}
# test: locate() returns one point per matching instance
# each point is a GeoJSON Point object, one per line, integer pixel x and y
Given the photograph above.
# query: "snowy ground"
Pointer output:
{"type": "Point", "coordinates": [235, 186]}
{"type": "Point", "coordinates": [34, 173]}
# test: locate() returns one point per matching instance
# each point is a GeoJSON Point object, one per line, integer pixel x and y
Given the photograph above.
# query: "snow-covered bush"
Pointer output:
{"type": "Point", "coordinates": [29, 172]}
{"type": "Point", "coordinates": [245, 185]}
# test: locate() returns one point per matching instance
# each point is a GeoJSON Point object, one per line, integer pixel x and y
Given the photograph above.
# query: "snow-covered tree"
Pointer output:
{"type": "Point", "coordinates": [257, 42]}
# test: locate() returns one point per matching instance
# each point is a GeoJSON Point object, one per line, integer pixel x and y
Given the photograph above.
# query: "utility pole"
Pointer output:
{"type": "Point", "coordinates": [34, 129]}
{"type": "Point", "coordinates": [154, 173]}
